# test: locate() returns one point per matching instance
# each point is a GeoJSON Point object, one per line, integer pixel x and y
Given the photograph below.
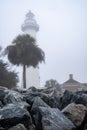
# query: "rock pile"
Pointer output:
{"type": "Point", "coordinates": [44, 109]}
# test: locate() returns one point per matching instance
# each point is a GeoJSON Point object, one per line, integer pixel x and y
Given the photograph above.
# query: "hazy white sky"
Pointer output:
{"type": "Point", "coordinates": [62, 34]}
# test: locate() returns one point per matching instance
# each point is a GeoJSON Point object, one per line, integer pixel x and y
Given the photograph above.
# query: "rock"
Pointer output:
{"type": "Point", "coordinates": [1, 105]}
{"type": "Point", "coordinates": [38, 102]}
{"type": "Point", "coordinates": [85, 127]}
{"type": "Point", "coordinates": [44, 97]}
{"type": "Point", "coordinates": [13, 114]}
{"type": "Point", "coordinates": [30, 96]}
{"type": "Point", "coordinates": [54, 102]}
{"type": "Point", "coordinates": [52, 91]}
{"type": "Point", "coordinates": [49, 96]}
{"type": "Point", "coordinates": [38, 109]}
{"type": "Point", "coordinates": [76, 113]}
{"type": "Point", "coordinates": [53, 119]}
{"type": "Point", "coordinates": [18, 127]}
{"type": "Point", "coordinates": [23, 104]}
{"type": "Point", "coordinates": [1, 128]}
{"type": "Point", "coordinates": [32, 127]}
{"type": "Point", "coordinates": [3, 92]}
{"type": "Point", "coordinates": [84, 124]}
{"type": "Point", "coordinates": [32, 89]}
{"type": "Point", "coordinates": [54, 97]}
{"type": "Point", "coordinates": [66, 99]}
{"type": "Point", "coordinates": [13, 97]}
{"type": "Point", "coordinates": [80, 98]}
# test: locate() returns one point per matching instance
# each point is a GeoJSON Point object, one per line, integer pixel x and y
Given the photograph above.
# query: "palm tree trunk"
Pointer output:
{"type": "Point", "coordinates": [24, 76]}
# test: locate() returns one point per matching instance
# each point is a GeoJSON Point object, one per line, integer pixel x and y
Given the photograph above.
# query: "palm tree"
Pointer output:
{"type": "Point", "coordinates": [24, 51]}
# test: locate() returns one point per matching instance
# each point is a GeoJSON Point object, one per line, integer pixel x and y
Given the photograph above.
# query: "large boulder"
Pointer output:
{"type": "Point", "coordinates": [13, 114]}
{"type": "Point", "coordinates": [54, 102]}
{"type": "Point", "coordinates": [76, 113]}
{"type": "Point", "coordinates": [66, 99]}
{"type": "Point", "coordinates": [54, 97]}
{"type": "Point", "coordinates": [38, 102]}
{"type": "Point", "coordinates": [13, 97]}
{"type": "Point", "coordinates": [80, 98]}
{"type": "Point", "coordinates": [53, 119]}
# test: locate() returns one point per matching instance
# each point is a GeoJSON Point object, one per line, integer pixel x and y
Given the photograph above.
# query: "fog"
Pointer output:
{"type": "Point", "coordinates": [62, 34]}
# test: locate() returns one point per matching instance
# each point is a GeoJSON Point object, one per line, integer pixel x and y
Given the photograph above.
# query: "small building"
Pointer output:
{"type": "Point", "coordinates": [73, 85]}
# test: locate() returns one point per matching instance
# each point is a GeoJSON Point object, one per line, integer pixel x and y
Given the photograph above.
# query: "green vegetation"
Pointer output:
{"type": "Point", "coordinates": [52, 84]}
{"type": "Point", "coordinates": [8, 78]}
{"type": "Point", "coordinates": [24, 51]}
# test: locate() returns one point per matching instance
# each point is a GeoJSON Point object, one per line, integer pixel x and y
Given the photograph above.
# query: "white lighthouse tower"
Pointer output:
{"type": "Point", "coordinates": [31, 27]}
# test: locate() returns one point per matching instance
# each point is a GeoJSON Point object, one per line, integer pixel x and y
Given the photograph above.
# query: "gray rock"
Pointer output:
{"type": "Point", "coordinates": [32, 127]}
{"type": "Point", "coordinates": [13, 114]}
{"type": "Point", "coordinates": [1, 105]}
{"type": "Point", "coordinates": [54, 97]}
{"type": "Point", "coordinates": [22, 104]}
{"type": "Point", "coordinates": [18, 127]}
{"type": "Point", "coordinates": [30, 96]}
{"type": "Point", "coordinates": [38, 102]}
{"type": "Point", "coordinates": [53, 119]}
{"type": "Point", "coordinates": [3, 92]}
{"type": "Point", "coordinates": [80, 99]}
{"type": "Point", "coordinates": [13, 97]}
{"type": "Point", "coordinates": [1, 128]}
{"type": "Point", "coordinates": [52, 91]}
{"type": "Point", "coordinates": [32, 89]}
{"type": "Point", "coordinates": [54, 102]}
{"type": "Point", "coordinates": [76, 113]}
{"type": "Point", "coordinates": [50, 96]}
{"type": "Point", "coordinates": [66, 99]}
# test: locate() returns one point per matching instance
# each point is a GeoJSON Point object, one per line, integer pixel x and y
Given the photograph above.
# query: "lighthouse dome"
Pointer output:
{"type": "Point", "coordinates": [30, 22]}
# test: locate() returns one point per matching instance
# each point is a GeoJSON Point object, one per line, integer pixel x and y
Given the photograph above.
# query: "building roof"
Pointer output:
{"type": "Point", "coordinates": [71, 81]}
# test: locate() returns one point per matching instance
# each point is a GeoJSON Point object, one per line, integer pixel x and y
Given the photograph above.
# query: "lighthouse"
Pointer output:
{"type": "Point", "coordinates": [31, 27]}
